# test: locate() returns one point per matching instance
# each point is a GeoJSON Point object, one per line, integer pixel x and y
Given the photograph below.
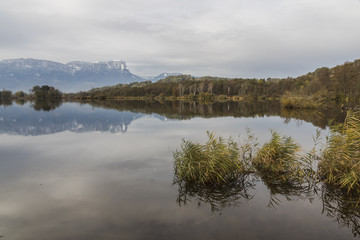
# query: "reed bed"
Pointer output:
{"type": "Point", "coordinates": [215, 162]}
{"type": "Point", "coordinates": [219, 161]}
{"type": "Point", "coordinates": [301, 101]}
{"type": "Point", "coordinates": [279, 155]}
{"type": "Point", "coordinates": [340, 161]}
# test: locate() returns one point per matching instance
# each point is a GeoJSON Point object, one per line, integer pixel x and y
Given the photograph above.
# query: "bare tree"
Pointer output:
{"type": "Point", "coordinates": [181, 89]}
{"type": "Point", "coordinates": [210, 87]}
{"type": "Point", "coordinates": [201, 87]}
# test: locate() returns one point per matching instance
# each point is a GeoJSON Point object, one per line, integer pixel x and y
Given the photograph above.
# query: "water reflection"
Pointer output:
{"type": "Point", "coordinates": [46, 105]}
{"type": "Point", "coordinates": [219, 197]}
{"type": "Point", "coordinates": [230, 194]}
{"type": "Point", "coordinates": [336, 204]}
{"type": "Point", "coordinates": [187, 110]}
{"type": "Point", "coordinates": [291, 189]}
{"type": "Point", "coordinates": [5, 102]}
{"type": "Point", "coordinates": [22, 120]}
{"type": "Point", "coordinates": [319, 118]}
{"type": "Point", "coordinates": [164, 110]}
{"type": "Point", "coordinates": [341, 207]}
{"type": "Point", "coordinates": [58, 184]}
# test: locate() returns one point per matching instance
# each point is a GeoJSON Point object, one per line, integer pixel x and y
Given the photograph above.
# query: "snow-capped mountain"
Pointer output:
{"type": "Point", "coordinates": [23, 74]}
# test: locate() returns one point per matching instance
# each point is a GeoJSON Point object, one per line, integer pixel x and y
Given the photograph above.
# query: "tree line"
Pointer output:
{"type": "Point", "coordinates": [340, 83]}
{"type": "Point", "coordinates": [188, 86]}
{"type": "Point", "coordinates": [43, 97]}
{"type": "Point", "coordinates": [42, 93]}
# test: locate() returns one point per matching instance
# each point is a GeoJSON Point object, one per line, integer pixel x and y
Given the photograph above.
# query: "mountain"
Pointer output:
{"type": "Point", "coordinates": [23, 74]}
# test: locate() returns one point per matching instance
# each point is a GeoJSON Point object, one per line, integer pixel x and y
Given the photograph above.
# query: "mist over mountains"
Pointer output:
{"type": "Point", "coordinates": [23, 74]}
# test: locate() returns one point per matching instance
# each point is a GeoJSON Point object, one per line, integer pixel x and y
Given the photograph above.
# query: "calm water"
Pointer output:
{"type": "Point", "coordinates": [86, 172]}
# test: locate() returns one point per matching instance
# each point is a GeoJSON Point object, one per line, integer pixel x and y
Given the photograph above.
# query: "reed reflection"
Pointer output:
{"type": "Point", "coordinates": [217, 196]}
{"type": "Point", "coordinates": [342, 207]}
{"type": "Point", "coordinates": [291, 189]}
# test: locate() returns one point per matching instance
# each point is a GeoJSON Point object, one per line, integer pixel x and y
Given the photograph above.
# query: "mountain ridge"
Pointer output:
{"type": "Point", "coordinates": [24, 73]}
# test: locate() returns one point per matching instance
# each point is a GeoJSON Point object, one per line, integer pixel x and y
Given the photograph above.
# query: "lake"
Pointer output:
{"type": "Point", "coordinates": [105, 171]}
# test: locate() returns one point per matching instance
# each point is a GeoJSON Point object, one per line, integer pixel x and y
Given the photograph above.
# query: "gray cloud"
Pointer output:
{"type": "Point", "coordinates": [228, 38]}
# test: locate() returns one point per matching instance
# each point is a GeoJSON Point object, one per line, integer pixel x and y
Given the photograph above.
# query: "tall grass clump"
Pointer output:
{"type": "Point", "coordinates": [279, 159]}
{"type": "Point", "coordinates": [340, 160]}
{"type": "Point", "coordinates": [215, 162]}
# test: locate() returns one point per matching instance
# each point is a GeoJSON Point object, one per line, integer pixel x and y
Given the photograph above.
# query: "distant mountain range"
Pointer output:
{"type": "Point", "coordinates": [23, 74]}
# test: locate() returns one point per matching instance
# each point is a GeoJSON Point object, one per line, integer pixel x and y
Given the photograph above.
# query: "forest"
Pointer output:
{"type": "Point", "coordinates": [340, 84]}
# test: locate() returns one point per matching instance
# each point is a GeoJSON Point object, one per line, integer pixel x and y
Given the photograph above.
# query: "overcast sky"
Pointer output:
{"type": "Point", "coordinates": [230, 38]}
